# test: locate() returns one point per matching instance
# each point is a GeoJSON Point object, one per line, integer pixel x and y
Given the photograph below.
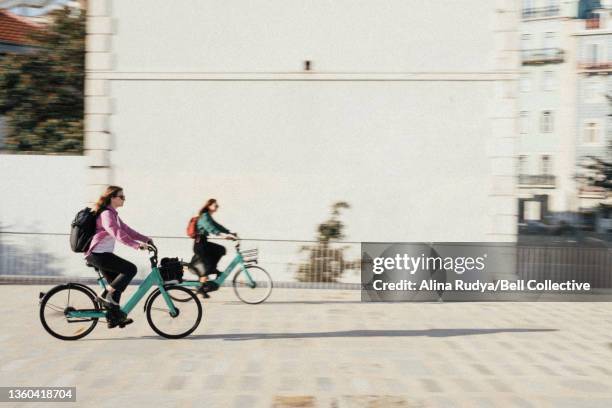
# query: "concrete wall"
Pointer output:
{"type": "Point", "coordinates": [276, 36]}
{"type": "Point", "coordinates": [40, 194]}
{"type": "Point", "coordinates": [407, 115]}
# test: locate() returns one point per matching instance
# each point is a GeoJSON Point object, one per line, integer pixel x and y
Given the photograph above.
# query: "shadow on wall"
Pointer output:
{"type": "Point", "coordinates": [326, 262]}
{"type": "Point", "coordinates": [23, 255]}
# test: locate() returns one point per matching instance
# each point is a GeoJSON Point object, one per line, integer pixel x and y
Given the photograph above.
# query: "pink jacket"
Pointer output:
{"type": "Point", "coordinates": [109, 223]}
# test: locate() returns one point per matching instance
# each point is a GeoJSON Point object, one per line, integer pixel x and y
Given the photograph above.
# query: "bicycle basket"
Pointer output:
{"type": "Point", "coordinates": [249, 255]}
{"type": "Point", "coordinates": [171, 269]}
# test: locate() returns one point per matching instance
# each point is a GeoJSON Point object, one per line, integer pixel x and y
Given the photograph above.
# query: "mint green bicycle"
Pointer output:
{"type": "Point", "coordinates": [251, 283]}
{"type": "Point", "coordinates": [71, 311]}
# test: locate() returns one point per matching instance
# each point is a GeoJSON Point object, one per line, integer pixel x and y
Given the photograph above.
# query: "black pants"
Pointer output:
{"type": "Point", "coordinates": [117, 271]}
{"type": "Point", "coordinates": [209, 254]}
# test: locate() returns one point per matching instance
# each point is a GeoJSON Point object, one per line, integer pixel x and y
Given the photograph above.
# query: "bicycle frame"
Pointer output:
{"type": "Point", "coordinates": [153, 279]}
{"type": "Point", "coordinates": [238, 260]}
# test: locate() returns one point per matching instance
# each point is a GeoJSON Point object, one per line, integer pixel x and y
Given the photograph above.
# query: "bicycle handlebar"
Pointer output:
{"type": "Point", "coordinates": [237, 244]}
{"type": "Point", "coordinates": [152, 248]}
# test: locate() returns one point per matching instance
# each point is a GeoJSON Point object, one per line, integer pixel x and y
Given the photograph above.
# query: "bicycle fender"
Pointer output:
{"type": "Point", "coordinates": [146, 302]}
{"type": "Point", "coordinates": [87, 288]}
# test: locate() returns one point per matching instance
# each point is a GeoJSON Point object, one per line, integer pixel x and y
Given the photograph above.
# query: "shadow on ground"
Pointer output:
{"type": "Point", "coordinates": [344, 334]}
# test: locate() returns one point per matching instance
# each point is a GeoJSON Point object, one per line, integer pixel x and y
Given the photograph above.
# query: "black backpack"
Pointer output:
{"type": "Point", "coordinates": [82, 230]}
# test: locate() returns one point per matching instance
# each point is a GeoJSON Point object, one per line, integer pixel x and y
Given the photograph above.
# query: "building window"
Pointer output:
{"type": "Point", "coordinates": [527, 8]}
{"type": "Point", "coordinates": [546, 122]}
{"type": "Point", "coordinates": [592, 91]}
{"type": "Point", "coordinates": [524, 122]}
{"type": "Point", "coordinates": [546, 165]}
{"type": "Point", "coordinates": [522, 164]}
{"type": "Point", "coordinates": [548, 80]}
{"type": "Point", "coordinates": [549, 40]}
{"type": "Point", "coordinates": [591, 133]}
{"type": "Point", "coordinates": [525, 83]}
{"type": "Point", "coordinates": [593, 53]}
{"type": "Point", "coordinates": [525, 41]}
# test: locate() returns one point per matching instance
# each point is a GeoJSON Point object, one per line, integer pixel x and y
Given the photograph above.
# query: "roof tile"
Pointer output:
{"type": "Point", "coordinates": [15, 29]}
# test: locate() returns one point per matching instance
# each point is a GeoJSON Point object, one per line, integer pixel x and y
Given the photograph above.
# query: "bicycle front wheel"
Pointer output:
{"type": "Point", "coordinates": [58, 302]}
{"type": "Point", "coordinates": [174, 325]}
{"type": "Point", "coordinates": [252, 285]}
{"type": "Point", "coordinates": [182, 296]}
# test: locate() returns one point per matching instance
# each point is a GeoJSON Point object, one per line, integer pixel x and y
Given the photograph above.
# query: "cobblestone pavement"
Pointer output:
{"type": "Point", "coordinates": [324, 348]}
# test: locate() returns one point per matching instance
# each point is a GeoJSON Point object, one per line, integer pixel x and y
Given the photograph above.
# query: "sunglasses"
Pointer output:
{"type": "Point", "coordinates": [122, 197]}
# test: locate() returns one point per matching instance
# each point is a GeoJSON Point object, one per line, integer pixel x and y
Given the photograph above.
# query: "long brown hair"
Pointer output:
{"type": "Point", "coordinates": [209, 202]}
{"type": "Point", "coordinates": [105, 198]}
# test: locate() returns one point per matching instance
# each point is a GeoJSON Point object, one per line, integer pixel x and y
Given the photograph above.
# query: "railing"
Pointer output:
{"type": "Point", "coordinates": [542, 56]}
{"type": "Point", "coordinates": [35, 258]}
{"type": "Point", "coordinates": [537, 180]}
{"type": "Point", "coordinates": [292, 263]}
{"type": "Point", "coordinates": [534, 12]}
{"type": "Point", "coordinates": [595, 65]}
{"type": "Point", "coordinates": [562, 263]}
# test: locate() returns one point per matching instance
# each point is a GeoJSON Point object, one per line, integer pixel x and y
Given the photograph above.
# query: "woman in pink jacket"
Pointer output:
{"type": "Point", "coordinates": [110, 228]}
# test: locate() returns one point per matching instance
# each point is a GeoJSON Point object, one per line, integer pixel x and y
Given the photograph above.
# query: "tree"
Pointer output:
{"type": "Point", "coordinates": [41, 92]}
{"type": "Point", "coordinates": [596, 171]}
{"type": "Point", "coordinates": [325, 263]}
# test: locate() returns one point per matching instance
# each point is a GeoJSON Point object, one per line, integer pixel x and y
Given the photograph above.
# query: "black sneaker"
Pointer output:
{"type": "Point", "coordinates": [116, 296]}
{"type": "Point", "coordinates": [210, 286]}
{"type": "Point", "coordinates": [118, 318]}
{"type": "Point", "coordinates": [121, 324]}
{"type": "Point", "coordinates": [202, 292]}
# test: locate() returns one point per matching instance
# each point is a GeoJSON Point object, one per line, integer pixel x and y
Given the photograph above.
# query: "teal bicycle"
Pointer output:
{"type": "Point", "coordinates": [71, 311]}
{"type": "Point", "coordinates": [252, 284]}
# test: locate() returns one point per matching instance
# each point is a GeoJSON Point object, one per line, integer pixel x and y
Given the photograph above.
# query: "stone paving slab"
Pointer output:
{"type": "Point", "coordinates": [324, 348]}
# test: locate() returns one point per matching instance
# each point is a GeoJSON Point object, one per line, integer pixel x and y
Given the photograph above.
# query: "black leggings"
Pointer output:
{"type": "Point", "coordinates": [117, 271]}
{"type": "Point", "coordinates": [209, 253]}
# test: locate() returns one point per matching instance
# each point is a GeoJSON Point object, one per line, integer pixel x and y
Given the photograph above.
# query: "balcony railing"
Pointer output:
{"type": "Point", "coordinates": [535, 12]}
{"type": "Point", "coordinates": [547, 180]}
{"type": "Point", "coordinates": [542, 56]}
{"type": "Point", "coordinates": [595, 65]}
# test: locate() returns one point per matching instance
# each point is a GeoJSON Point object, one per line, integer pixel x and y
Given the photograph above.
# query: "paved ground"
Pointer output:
{"type": "Point", "coordinates": [317, 348]}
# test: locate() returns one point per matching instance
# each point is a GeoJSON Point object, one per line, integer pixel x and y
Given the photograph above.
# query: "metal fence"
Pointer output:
{"type": "Point", "coordinates": [292, 263]}
{"type": "Point", "coordinates": [560, 263]}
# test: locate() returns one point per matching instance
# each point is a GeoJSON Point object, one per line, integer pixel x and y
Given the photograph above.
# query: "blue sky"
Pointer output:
{"type": "Point", "coordinates": [38, 11]}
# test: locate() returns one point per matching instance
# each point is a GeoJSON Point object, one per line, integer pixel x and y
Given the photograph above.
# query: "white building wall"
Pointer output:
{"type": "Point", "coordinates": [407, 115]}
{"type": "Point", "coordinates": [560, 99]}
{"type": "Point", "coordinates": [277, 36]}
{"type": "Point", "coordinates": [41, 195]}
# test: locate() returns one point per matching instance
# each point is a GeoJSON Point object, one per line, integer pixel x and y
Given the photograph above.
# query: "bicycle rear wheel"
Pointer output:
{"type": "Point", "coordinates": [254, 286]}
{"type": "Point", "coordinates": [181, 324]}
{"type": "Point", "coordinates": [184, 297]}
{"type": "Point", "coordinates": [56, 304]}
